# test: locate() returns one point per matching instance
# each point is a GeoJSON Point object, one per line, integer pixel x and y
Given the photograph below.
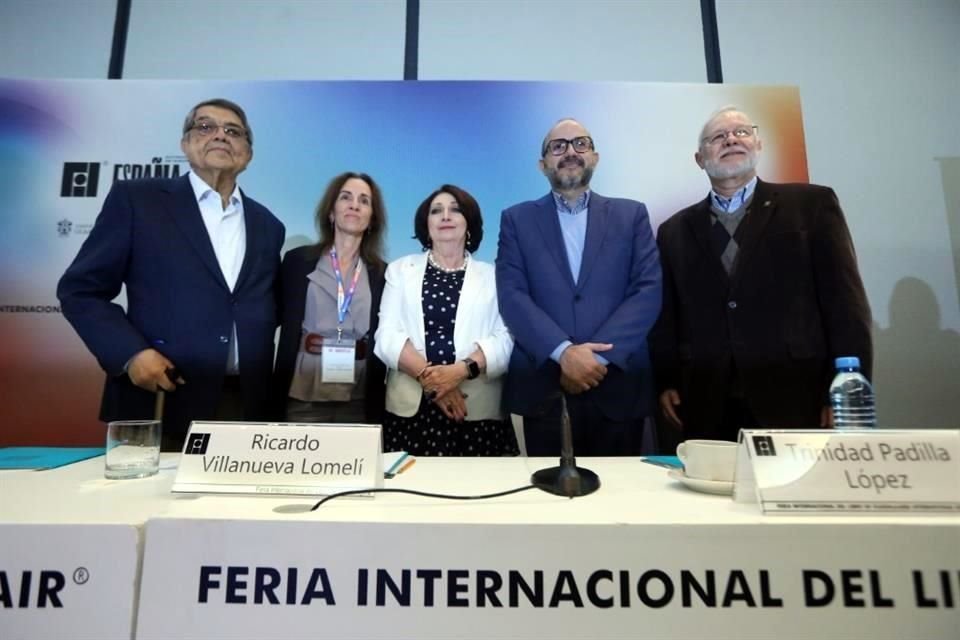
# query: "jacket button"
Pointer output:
{"type": "Point", "coordinates": [576, 298]}
{"type": "Point", "coordinates": [224, 339]}
{"type": "Point", "coordinates": [732, 304]}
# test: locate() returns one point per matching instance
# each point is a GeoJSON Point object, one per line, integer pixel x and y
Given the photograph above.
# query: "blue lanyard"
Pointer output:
{"type": "Point", "coordinates": [343, 299]}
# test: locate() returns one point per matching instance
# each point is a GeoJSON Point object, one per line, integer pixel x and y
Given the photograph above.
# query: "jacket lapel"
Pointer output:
{"type": "Point", "coordinates": [255, 225]}
{"type": "Point", "coordinates": [546, 217]}
{"type": "Point", "coordinates": [414, 287]}
{"type": "Point", "coordinates": [185, 212]}
{"type": "Point", "coordinates": [761, 211]}
{"type": "Point", "coordinates": [699, 222]}
{"type": "Point", "coordinates": [596, 231]}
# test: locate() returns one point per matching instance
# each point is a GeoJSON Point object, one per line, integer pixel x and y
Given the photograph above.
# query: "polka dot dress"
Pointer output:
{"type": "Point", "coordinates": [429, 432]}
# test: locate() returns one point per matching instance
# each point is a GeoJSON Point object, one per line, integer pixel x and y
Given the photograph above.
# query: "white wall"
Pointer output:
{"type": "Point", "coordinates": [56, 38]}
{"type": "Point", "coordinates": [641, 40]}
{"type": "Point", "coordinates": [266, 40]}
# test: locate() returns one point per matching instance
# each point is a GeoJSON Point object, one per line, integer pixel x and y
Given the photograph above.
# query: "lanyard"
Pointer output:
{"type": "Point", "coordinates": [343, 300]}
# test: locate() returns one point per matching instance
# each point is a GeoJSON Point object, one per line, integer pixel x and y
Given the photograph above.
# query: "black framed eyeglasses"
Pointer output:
{"type": "Point", "coordinates": [558, 146]}
{"type": "Point", "coordinates": [207, 128]}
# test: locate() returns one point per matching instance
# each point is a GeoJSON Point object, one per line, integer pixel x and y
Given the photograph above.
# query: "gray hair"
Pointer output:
{"type": "Point", "coordinates": [730, 108]}
{"type": "Point", "coordinates": [222, 103]}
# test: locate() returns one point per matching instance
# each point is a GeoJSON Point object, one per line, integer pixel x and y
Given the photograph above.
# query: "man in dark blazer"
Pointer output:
{"type": "Point", "coordinates": [761, 293]}
{"type": "Point", "coordinates": [199, 260]}
{"type": "Point", "coordinates": [578, 281]}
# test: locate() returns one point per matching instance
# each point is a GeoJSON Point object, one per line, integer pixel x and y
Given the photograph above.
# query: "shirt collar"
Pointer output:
{"type": "Point", "coordinates": [733, 203]}
{"type": "Point", "coordinates": [578, 207]}
{"type": "Point", "coordinates": [202, 190]}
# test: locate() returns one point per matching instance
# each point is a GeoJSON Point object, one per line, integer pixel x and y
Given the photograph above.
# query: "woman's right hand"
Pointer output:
{"type": "Point", "coordinates": [453, 405]}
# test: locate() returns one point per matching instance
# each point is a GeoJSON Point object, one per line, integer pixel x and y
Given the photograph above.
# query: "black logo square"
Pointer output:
{"type": "Point", "coordinates": [763, 445]}
{"type": "Point", "coordinates": [197, 444]}
{"type": "Point", "coordinates": [80, 179]}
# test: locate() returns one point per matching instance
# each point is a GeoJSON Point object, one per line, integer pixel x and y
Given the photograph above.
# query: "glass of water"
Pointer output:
{"type": "Point", "coordinates": [133, 449]}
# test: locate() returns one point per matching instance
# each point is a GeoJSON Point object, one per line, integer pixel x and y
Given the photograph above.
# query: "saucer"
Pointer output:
{"type": "Point", "coordinates": [719, 487]}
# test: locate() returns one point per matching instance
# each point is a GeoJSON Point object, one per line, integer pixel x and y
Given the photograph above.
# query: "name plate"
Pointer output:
{"type": "Point", "coordinates": [857, 471]}
{"type": "Point", "coordinates": [279, 458]}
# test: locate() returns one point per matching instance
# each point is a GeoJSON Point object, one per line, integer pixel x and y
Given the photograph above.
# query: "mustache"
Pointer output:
{"type": "Point", "coordinates": [571, 160]}
{"type": "Point", "coordinates": [734, 148]}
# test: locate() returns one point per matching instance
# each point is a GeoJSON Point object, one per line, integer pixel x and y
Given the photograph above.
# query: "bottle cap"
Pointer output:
{"type": "Point", "coordinates": [848, 362]}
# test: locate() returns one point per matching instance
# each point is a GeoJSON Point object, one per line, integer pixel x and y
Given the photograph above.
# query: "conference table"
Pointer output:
{"type": "Point", "coordinates": [644, 556]}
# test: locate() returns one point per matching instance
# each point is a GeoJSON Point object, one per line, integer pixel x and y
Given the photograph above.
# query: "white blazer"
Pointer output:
{"type": "Point", "coordinates": [478, 325]}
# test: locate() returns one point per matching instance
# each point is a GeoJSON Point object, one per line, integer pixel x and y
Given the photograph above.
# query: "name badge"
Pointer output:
{"type": "Point", "coordinates": [288, 459]}
{"type": "Point", "coordinates": [850, 471]}
{"type": "Point", "coordinates": [339, 359]}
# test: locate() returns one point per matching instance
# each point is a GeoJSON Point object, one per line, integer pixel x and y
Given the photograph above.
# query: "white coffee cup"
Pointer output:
{"type": "Point", "coordinates": [708, 459]}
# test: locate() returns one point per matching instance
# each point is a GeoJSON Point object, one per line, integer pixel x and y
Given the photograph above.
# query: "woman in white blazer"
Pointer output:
{"type": "Point", "coordinates": [443, 341]}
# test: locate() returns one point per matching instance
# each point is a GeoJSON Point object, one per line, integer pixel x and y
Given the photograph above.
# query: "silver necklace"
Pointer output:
{"type": "Point", "coordinates": [437, 265]}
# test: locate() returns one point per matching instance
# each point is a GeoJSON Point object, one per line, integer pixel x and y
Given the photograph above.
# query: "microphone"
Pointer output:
{"type": "Point", "coordinates": [567, 479]}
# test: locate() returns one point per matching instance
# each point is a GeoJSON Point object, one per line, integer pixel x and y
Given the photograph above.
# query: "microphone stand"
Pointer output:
{"type": "Point", "coordinates": [566, 479]}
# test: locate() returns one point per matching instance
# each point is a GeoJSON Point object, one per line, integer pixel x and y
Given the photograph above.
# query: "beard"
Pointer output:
{"type": "Point", "coordinates": [567, 182]}
{"type": "Point", "coordinates": [742, 167]}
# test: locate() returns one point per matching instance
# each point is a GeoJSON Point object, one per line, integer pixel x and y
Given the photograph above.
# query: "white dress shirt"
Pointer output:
{"type": "Point", "coordinates": [228, 235]}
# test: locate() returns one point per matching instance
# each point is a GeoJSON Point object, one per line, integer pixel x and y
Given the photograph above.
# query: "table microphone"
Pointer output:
{"type": "Point", "coordinates": [567, 479]}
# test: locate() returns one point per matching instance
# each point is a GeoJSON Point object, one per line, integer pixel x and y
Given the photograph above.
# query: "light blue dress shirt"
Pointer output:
{"type": "Point", "coordinates": [733, 203]}
{"type": "Point", "coordinates": [573, 228]}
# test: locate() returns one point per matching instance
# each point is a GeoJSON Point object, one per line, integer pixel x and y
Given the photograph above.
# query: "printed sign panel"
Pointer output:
{"type": "Point", "coordinates": [67, 581]}
{"type": "Point", "coordinates": [314, 579]}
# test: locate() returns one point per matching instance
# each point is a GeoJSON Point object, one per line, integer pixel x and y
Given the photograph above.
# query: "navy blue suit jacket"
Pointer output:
{"type": "Point", "coordinates": [616, 300]}
{"type": "Point", "coordinates": [150, 237]}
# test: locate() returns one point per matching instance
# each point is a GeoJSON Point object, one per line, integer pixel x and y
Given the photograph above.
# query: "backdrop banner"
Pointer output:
{"type": "Point", "coordinates": [64, 143]}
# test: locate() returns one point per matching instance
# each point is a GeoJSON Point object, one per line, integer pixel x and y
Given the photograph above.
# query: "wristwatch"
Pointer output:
{"type": "Point", "coordinates": [473, 369]}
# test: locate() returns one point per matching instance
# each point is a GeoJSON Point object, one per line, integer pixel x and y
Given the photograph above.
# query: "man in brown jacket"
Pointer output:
{"type": "Point", "coordinates": [760, 293]}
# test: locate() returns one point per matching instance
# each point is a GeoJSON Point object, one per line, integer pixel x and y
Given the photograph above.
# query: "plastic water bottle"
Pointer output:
{"type": "Point", "coordinates": [852, 397]}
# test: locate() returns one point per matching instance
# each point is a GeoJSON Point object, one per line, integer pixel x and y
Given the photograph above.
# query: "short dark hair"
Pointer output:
{"type": "Point", "coordinates": [222, 103]}
{"type": "Point", "coordinates": [468, 207]}
{"type": "Point", "coordinates": [371, 247]}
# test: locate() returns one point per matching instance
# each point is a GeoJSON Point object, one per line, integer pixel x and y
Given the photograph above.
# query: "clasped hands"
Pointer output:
{"type": "Point", "coordinates": [579, 369]}
{"type": "Point", "coordinates": [441, 385]}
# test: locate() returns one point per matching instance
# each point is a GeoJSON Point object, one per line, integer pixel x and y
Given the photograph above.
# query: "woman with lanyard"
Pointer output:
{"type": "Point", "coordinates": [443, 340]}
{"type": "Point", "coordinates": [329, 297]}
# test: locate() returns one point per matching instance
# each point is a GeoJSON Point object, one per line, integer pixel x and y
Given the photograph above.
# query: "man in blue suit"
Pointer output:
{"type": "Point", "coordinates": [578, 279]}
{"type": "Point", "coordinates": [199, 260]}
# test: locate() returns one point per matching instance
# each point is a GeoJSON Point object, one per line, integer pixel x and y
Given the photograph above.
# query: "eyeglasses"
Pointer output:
{"type": "Point", "coordinates": [558, 146]}
{"type": "Point", "coordinates": [719, 137]}
{"type": "Point", "coordinates": [208, 128]}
